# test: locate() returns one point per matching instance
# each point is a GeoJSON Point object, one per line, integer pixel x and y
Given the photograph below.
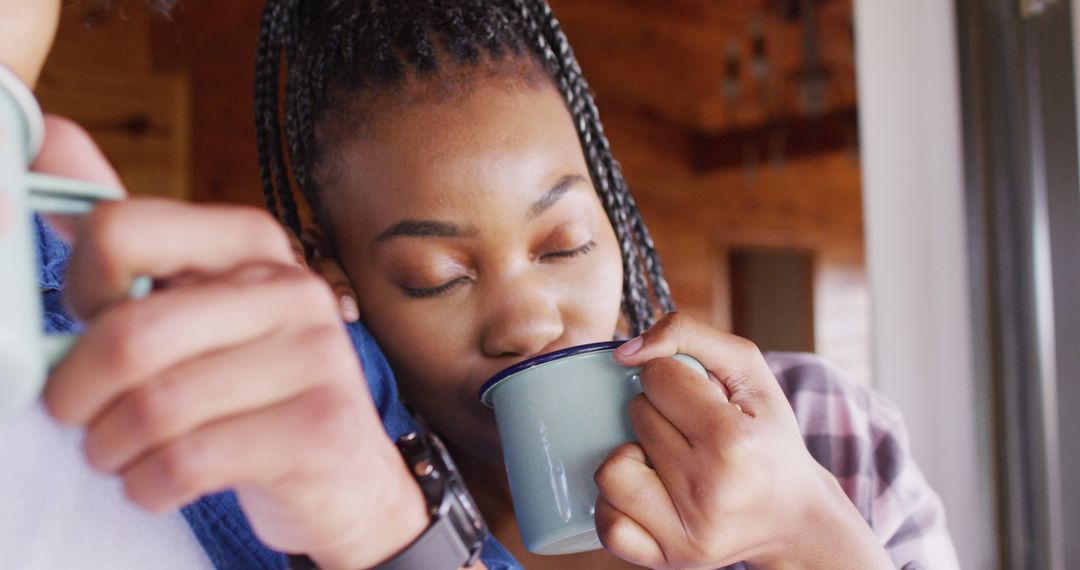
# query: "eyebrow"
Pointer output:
{"type": "Point", "coordinates": [552, 196]}
{"type": "Point", "coordinates": [439, 229]}
{"type": "Point", "coordinates": [424, 229]}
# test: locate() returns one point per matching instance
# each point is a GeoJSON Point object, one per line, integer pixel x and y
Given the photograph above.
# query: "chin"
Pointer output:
{"type": "Point", "coordinates": [488, 446]}
{"type": "Point", "coordinates": [494, 455]}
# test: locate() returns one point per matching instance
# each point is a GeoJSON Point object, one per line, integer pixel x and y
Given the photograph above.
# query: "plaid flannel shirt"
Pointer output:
{"type": "Point", "coordinates": [859, 436]}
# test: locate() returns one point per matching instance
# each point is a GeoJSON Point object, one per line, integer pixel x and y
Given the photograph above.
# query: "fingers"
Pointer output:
{"type": "Point", "coordinates": [140, 339]}
{"type": "Point", "coordinates": [161, 238]}
{"type": "Point", "coordinates": [661, 440]}
{"type": "Point", "coordinates": [70, 152]}
{"type": "Point", "coordinates": [735, 362]}
{"type": "Point", "coordinates": [247, 450]}
{"type": "Point", "coordinates": [642, 504]}
{"type": "Point", "coordinates": [682, 395]}
{"type": "Point", "coordinates": [625, 538]}
{"type": "Point", "coordinates": [199, 392]}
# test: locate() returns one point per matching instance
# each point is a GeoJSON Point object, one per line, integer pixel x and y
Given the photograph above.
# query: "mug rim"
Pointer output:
{"type": "Point", "coordinates": [505, 374]}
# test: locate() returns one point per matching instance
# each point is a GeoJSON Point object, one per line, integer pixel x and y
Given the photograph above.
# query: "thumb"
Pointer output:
{"type": "Point", "coordinates": [71, 153]}
{"type": "Point", "coordinates": [733, 361]}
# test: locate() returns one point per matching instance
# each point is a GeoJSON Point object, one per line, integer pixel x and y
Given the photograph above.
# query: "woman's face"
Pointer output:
{"type": "Point", "coordinates": [475, 239]}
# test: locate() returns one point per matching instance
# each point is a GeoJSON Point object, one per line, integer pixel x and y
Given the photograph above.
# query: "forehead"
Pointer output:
{"type": "Point", "coordinates": [498, 135]}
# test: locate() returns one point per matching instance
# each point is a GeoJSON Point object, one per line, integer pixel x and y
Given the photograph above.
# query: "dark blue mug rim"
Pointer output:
{"type": "Point", "coordinates": [544, 359]}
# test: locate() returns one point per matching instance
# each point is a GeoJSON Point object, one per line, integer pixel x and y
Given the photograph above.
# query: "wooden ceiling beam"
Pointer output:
{"type": "Point", "coordinates": [784, 140]}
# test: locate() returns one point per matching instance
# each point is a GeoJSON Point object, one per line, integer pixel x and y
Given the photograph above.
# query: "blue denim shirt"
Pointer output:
{"type": "Point", "coordinates": [217, 520]}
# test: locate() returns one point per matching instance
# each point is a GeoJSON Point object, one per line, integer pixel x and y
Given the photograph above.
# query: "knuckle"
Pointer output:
{"type": "Point", "coordinates": [609, 474]}
{"type": "Point", "coordinates": [57, 405]}
{"type": "Point", "coordinates": [741, 448]}
{"type": "Point", "coordinates": [325, 350]}
{"type": "Point", "coordinates": [105, 225]}
{"type": "Point", "coordinates": [675, 319]}
{"type": "Point", "coordinates": [151, 413]}
{"type": "Point", "coordinates": [652, 370]}
{"type": "Point", "coordinates": [93, 450]}
{"type": "Point", "coordinates": [320, 342]}
{"type": "Point", "coordinates": [638, 408]}
{"type": "Point", "coordinates": [674, 323]}
{"type": "Point", "coordinates": [124, 333]}
{"type": "Point", "coordinates": [264, 231]}
{"type": "Point", "coordinates": [138, 493]}
{"type": "Point", "coordinates": [331, 419]}
{"type": "Point", "coordinates": [615, 532]}
{"type": "Point", "coordinates": [183, 466]}
{"type": "Point", "coordinates": [656, 372]}
{"type": "Point", "coordinates": [104, 236]}
{"type": "Point", "coordinates": [606, 474]}
{"type": "Point", "coordinates": [305, 289]}
{"type": "Point", "coordinates": [745, 346]}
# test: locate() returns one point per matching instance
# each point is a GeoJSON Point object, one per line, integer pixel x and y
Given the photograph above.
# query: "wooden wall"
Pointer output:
{"type": "Point", "coordinates": [102, 74]}
{"type": "Point", "coordinates": [812, 204]}
{"type": "Point", "coordinates": [170, 102]}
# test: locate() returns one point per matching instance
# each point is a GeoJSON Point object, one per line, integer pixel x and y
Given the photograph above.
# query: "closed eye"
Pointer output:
{"type": "Point", "coordinates": [434, 291]}
{"type": "Point", "coordinates": [583, 250]}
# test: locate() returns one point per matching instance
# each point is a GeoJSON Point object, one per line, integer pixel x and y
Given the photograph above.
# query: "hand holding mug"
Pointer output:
{"type": "Point", "coordinates": [721, 473]}
{"type": "Point", "coordinates": [237, 374]}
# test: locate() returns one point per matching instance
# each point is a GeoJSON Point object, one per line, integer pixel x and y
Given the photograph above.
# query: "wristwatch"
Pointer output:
{"type": "Point", "coordinates": [457, 531]}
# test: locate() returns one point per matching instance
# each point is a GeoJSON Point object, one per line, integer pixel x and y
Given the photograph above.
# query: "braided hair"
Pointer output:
{"type": "Point", "coordinates": [335, 50]}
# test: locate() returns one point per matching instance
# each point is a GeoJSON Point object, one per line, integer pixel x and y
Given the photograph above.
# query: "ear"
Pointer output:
{"type": "Point", "coordinates": [321, 260]}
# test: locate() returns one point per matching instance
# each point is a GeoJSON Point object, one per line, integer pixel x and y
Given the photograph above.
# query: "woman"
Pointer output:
{"type": "Point", "coordinates": [453, 156]}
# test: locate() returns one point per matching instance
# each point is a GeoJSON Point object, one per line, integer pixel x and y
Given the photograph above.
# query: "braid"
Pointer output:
{"type": "Point", "coordinates": [272, 167]}
{"type": "Point", "coordinates": [637, 246]}
{"type": "Point", "coordinates": [333, 53]}
{"type": "Point", "coordinates": [265, 112]}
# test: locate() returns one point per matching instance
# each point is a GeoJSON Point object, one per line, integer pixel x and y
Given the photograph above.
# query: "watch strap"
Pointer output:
{"type": "Point", "coordinates": [439, 548]}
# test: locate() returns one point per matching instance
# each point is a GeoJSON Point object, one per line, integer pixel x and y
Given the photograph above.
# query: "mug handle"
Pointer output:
{"type": "Point", "coordinates": [55, 195]}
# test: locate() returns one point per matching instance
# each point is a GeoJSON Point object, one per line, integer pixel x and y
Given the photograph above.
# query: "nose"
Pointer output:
{"type": "Point", "coordinates": [523, 321]}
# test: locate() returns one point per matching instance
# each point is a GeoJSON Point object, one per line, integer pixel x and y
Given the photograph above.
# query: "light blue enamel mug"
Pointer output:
{"type": "Point", "coordinates": [559, 416]}
{"type": "Point", "coordinates": [25, 353]}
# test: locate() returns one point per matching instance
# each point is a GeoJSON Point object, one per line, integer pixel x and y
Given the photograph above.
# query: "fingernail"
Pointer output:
{"type": "Point", "coordinates": [631, 346]}
{"type": "Point", "coordinates": [349, 310]}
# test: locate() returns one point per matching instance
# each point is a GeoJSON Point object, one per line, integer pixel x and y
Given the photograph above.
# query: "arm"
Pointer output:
{"type": "Point", "coordinates": [876, 469]}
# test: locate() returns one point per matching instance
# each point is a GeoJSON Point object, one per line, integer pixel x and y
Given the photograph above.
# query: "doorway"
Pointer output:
{"type": "Point", "coordinates": [772, 298]}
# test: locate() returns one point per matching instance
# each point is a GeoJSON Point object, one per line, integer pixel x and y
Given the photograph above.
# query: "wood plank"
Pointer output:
{"type": "Point", "coordinates": [140, 121]}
